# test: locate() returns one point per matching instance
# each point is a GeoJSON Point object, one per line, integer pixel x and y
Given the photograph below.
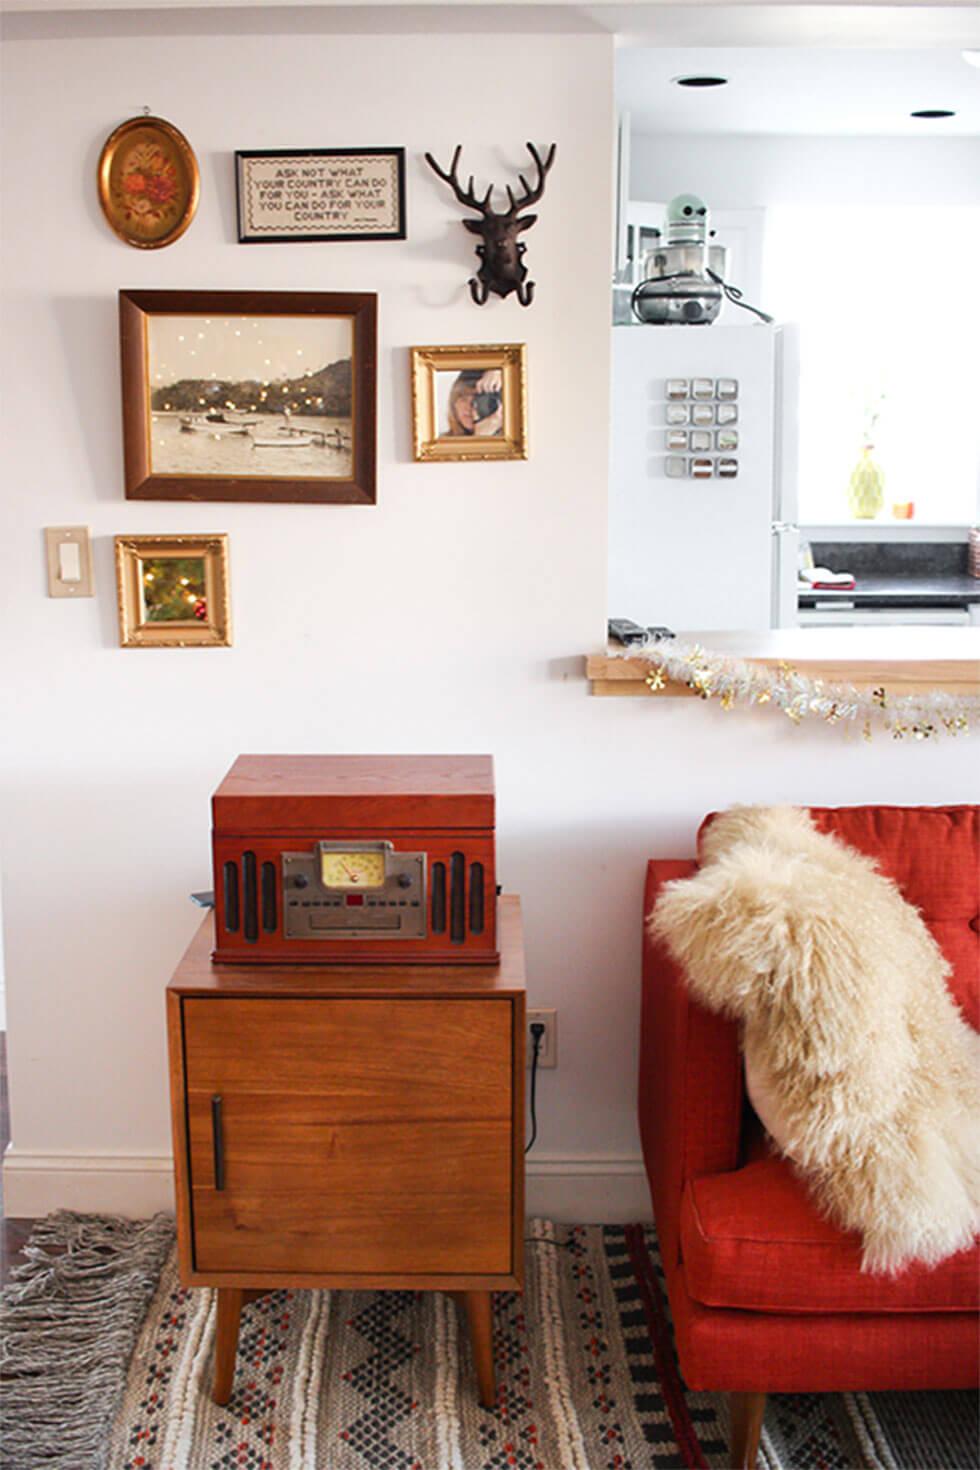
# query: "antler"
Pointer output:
{"type": "Point", "coordinates": [466, 197]}
{"type": "Point", "coordinates": [531, 196]}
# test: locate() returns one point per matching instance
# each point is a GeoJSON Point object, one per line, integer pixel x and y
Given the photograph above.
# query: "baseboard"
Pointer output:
{"type": "Point", "coordinates": [606, 1189]}
{"type": "Point", "coordinates": [577, 1188]}
{"type": "Point", "coordinates": [137, 1185]}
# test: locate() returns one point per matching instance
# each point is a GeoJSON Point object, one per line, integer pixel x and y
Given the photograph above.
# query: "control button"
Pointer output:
{"type": "Point", "coordinates": [415, 903]}
{"type": "Point", "coordinates": [301, 881]}
{"type": "Point", "coordinates": [404, 880]}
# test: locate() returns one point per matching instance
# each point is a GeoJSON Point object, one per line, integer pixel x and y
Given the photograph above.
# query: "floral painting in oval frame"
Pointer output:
{"type": "Point", "coordinates": [148, 182]}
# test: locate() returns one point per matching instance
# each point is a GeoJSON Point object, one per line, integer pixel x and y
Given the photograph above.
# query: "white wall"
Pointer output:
{"type": "Point", "coordinates": [745, 171]}
{"type": "Point", "coordinates": [452, 616]}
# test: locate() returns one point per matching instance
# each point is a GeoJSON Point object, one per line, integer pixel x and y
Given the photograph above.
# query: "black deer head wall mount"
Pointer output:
{"type": "Point", "coordinates": [502, 267]}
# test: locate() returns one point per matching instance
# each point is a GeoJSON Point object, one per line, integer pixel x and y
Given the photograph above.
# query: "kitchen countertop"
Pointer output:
{"type": "Point", "coordinates": [906, 659]}
{"type": "Point", "coordinates": [933, 590]}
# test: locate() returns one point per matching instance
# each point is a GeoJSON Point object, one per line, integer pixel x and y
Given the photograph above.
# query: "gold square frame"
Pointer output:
{"type": "Point", "coordinates": [214, 631]}
{"type": "Point", "coordinates": [428, 443]}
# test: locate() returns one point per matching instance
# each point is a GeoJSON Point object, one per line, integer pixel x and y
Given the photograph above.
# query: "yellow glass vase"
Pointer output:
{"type": "Point", "coordinates": [866, 488]}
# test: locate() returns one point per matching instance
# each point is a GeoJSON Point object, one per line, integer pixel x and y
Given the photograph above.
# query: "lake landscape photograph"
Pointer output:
{"type": "Point", "coordinates": [242, 396]}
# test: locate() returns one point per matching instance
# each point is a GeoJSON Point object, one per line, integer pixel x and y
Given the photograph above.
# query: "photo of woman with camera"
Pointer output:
{"type": "Point", "coordinates": [475, 405]}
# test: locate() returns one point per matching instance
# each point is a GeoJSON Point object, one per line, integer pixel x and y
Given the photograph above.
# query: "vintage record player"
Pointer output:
{"type": "Point", "coordinates": [355, 860]}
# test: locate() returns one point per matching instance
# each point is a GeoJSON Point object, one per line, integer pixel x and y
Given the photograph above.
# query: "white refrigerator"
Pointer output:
{"type": "Point", "coordinates": [703, 492]}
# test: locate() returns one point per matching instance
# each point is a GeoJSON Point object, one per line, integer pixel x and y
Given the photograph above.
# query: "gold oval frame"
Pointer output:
{"type": "Point", "coordinates": [176, 140]}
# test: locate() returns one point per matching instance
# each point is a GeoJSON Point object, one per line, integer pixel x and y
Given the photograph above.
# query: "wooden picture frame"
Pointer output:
{"type": "Point", "coordinates": [149, 182]}
{"type": "Point", "coordinates": [184, 568]}
{"type": "Point", "coordinates": [298, 195]}
{"type": "Point", "coordinates": [249, 395]}
{"type": "Point", "coordinates": [469, 402]}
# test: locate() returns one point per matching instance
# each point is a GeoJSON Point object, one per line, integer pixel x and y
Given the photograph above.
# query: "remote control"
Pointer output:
{"type": "Point", "coordinates": [625, 631]}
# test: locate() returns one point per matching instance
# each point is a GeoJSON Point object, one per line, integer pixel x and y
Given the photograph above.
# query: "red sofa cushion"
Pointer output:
{"type": "Point", "coordinates": [752, 1239]}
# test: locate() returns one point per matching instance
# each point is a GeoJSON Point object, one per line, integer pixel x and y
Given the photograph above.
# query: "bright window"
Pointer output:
{"type": "Point", "coordinates": [889, 320]}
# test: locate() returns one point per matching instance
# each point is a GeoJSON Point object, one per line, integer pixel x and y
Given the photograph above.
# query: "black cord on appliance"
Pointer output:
{"type": "Point", "coordinates": [735, 296]}
{"type": "Point", "coordinates": [732, 292]}
{"type": "Point", "coordinates": [537, 1036]}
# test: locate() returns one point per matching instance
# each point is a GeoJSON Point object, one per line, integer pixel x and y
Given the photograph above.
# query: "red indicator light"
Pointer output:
{"type": "Point", "coordinates": [355, 900]}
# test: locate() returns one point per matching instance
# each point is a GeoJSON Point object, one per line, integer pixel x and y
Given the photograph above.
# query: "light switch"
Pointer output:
{"type": "Point", "coordinates": [69, 551]}
{"type": "Point", "coordinates": [69, 561]}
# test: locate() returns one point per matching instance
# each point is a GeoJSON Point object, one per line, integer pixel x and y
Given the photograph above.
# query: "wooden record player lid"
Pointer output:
{"type": "Point", "coordinates": [280, 793]}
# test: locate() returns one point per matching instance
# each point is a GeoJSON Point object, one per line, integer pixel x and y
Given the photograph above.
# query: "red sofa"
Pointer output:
{"type": "Point", "coordinates": [766, 1295]}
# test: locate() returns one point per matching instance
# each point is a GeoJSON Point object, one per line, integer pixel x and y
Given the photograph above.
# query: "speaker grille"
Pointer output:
{"type": "Point", "coordinates": [476, 898]}
{"type": "Point", "coordinates": [231, 897]}
{"type": "Point", "coordinates": [457, 898]}
{"type": "Point", "coordinates": [269, 898]}
{"type": "Point", "coordinates": [438, 898]}
{"type": "Point", "coordinates": [251, 905]}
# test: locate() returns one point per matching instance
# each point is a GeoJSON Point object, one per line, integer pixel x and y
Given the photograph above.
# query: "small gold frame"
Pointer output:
{"type": "Point", "coordinates": [162, 208]}
{"type": "Point", "coordinates": [508, 442]}
{"type": "Point", "coordinates": [212, 629]}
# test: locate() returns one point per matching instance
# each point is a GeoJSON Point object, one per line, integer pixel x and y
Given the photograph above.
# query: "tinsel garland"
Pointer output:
{"type": "Point", "coordinates": [736, 681]}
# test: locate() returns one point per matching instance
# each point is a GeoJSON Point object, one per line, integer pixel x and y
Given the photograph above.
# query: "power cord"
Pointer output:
{"type": "Point", "coordinates": [735, 297]}
{"type": "Point", "coordinates": [537, 1036]}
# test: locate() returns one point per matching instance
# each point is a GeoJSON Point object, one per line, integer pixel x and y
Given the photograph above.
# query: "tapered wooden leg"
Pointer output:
{"type": "Point", "coordinates": [480, 1315]}
{"type": "Point", "coordinates": [230, 1303]}
{"type": "Point", "coordinates": [746, 1411]}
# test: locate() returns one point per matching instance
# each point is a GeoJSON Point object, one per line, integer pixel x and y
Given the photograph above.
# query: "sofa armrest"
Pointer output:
{"type": "Point", "coordinates": [691, 1088]}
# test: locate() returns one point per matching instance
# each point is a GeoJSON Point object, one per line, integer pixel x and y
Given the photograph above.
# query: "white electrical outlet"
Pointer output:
{"type": "Point", "coordinates": [548, 1053]}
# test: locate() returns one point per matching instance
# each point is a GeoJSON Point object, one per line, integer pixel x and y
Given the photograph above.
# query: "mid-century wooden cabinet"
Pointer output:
{"type": "Point", "coordinates": [349, 1126]}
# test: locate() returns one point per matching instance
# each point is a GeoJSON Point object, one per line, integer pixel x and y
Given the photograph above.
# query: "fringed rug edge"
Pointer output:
{"type": "Point", "coordinates": [69, 1320]}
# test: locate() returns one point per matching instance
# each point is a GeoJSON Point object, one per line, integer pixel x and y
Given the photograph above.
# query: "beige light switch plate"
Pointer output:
{"type": "Point", "coordinates": [69, 550]}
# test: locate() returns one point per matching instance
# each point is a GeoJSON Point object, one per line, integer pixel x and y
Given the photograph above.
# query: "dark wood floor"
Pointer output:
{"type": "Point", "coordinates": [13, 1233]}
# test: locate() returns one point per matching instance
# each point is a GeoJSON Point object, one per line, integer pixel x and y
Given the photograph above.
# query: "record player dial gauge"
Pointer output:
{"type": "Point", "coordinates": [352, 869]}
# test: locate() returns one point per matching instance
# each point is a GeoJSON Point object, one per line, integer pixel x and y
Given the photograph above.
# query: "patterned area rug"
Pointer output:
{"type": "Point", "coordinates": [587, 1380]}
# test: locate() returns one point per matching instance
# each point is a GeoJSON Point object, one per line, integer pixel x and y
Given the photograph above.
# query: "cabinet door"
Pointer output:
{"type": "Point", "coordinates": [366, 1136]}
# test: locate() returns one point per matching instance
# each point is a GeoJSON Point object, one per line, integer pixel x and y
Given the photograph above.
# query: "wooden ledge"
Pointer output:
{"type": "Point", "coordinates": [906, 660]}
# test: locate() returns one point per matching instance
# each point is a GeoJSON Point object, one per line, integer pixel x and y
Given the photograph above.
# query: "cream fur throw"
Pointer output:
{"type": "Point", "coordinates": [850, 1032]}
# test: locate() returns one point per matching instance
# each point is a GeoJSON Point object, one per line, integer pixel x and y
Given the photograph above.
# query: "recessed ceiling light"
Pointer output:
{"type": "Point", "coordinates": [933, 112]}
{"type": "Point", "coordinates": [701, 81]}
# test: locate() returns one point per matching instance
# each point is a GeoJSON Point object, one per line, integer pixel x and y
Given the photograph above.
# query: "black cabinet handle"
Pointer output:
{"type": "Point", "coordinates": [218, 1142]}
